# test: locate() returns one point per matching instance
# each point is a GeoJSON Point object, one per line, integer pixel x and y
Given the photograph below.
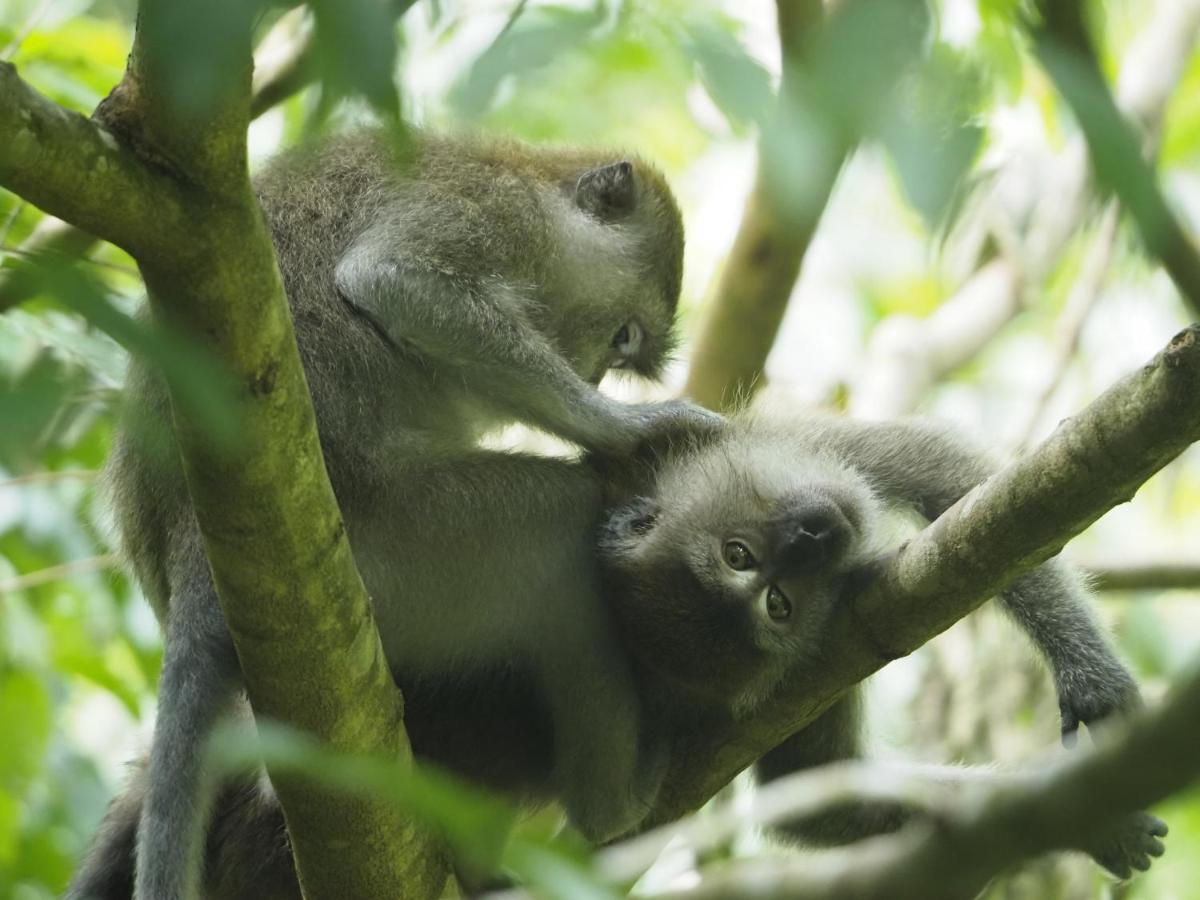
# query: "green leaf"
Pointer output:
{"type": "Point", "coordinates": [737, 83]}
{"type": "Point", "coordinates": [197, 379]}
{"type": "Point", "coordinates": [357, 50]}
{"type": "Point", "coordinates": [528, 44]}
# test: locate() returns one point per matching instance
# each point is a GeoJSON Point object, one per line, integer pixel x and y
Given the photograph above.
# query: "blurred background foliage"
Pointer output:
{"type": "Point", "coordinates": [976, 175]}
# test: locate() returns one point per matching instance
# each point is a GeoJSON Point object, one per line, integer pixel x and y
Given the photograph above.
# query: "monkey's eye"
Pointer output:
{"type": "Point", "coordinates": [627, 341]}
{"type": "Point", "coordinates": [738, 556]}
{"type": "Point", "coordinates": [779, 607]}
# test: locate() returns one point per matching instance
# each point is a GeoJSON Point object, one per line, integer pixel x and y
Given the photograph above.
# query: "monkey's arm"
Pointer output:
{"type": "Point", "coordinates": [930, 467]}
{"type": "Point", "coordinates": [480, 331]}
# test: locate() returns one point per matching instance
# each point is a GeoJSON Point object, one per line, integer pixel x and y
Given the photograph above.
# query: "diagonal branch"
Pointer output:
{"type": "Point", "coordinates": [284, 64]}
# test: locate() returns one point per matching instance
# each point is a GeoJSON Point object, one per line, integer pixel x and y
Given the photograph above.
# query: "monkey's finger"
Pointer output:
{"type": "Point", "coordinates": [1158, 827]}
{"type": "Point", "coordinates": [1156, 847]}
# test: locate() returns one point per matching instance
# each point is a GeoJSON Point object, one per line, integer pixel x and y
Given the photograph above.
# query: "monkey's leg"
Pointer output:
{"type": "Point", "coordinates": [596, 714]}
{"type": "Point", "coordinates": [199, 682]}
{"type": "Point", "coordinates": [481, 329]}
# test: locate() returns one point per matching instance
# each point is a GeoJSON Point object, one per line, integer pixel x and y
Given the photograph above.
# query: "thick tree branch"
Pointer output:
{"type": "Point", "coordinates": [1065, 51]}
{"type": "Point", "coordinates": [1014, 521]}
{"type": "Point", "coordinates": [284, 64]}
{"type": "Point", "coordinates": [170, 149]}
{"type": "Point", "coordinates": [74, 168]}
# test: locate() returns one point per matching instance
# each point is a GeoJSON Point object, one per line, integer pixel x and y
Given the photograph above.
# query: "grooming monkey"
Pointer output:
{"type": "Point", "coordinates": [720, 559]}
{"type": "Point", "coordinates": [438, 289]}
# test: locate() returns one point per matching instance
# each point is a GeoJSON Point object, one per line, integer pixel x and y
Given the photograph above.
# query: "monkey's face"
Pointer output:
{"type": "Point", "coordinates": [622, 269]}
{"type": "Point", "coordinates": [725, 576]}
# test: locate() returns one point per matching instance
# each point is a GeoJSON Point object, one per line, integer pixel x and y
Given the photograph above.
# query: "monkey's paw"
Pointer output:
{"type": "Point", "coordinates": [1129, 845]}
{"type": "Point", "coordinates": [676, 419]}
{"type": "Point", "coordinates": [1089, 696]}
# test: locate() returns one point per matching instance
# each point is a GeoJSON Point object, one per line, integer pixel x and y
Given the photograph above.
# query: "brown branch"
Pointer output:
{"type": "Point", "coordinates": [1014, 521]}
{"type": "Point", "coordinates": [751, 295]}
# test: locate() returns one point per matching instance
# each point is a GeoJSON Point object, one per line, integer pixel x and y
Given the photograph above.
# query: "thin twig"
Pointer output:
{"type": "Point", "coordinates": [1082, 299]}
{"type": "Point", "coordinates": [50, 477]}
{"type": "Point", "coordinates": [57, 573]}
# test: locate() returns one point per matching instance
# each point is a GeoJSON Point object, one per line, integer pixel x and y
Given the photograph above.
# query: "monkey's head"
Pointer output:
{"type": "Point", "coordinates": [723, 574]}
{"type": "Point", "coordinates": [626, 247]}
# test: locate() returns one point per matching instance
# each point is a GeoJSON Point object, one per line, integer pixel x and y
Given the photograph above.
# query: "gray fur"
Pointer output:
{"type": "Point", "coordinates": [438, 290]}
{"type": "Point", "coordinates": [552, 542]}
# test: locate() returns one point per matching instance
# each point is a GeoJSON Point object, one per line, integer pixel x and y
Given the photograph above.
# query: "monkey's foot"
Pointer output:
{"type": "Point", "coordinates": [1130, 844]}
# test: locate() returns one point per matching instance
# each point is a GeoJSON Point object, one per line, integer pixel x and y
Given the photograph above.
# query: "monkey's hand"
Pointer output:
{"type": "Point", "coordinates": [657, 424]}
{"type": "Point", "coordinates": [1091, 691]}
{"type": "Point", "coordinates": [1129, 844]}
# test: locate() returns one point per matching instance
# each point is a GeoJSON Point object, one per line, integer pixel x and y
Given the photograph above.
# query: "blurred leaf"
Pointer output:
{"type": "Point", "coordinates": [357, 44]}
{"type": "Point", "coordinates": [737, 83]}
{"type": "Point", "coordinates": [1006, 12]}
{"type": "Point", "coordinates": [1146, 640]}
{"type": "Point", "coordinates": [195, 376]}
{"type": "Point", "coordinates": [930, 134]}
{"type": "Point", "coordinates": [25, 724]}
{"type": "Point", "coordinates": [860, 56]}
{"type": "Point", "coordinates": [10, 820]}
{"type": "Point", "coordinates": [526, 45]}
{"type": "Point", "coordinates": [30, 404]}
{"type": "Point", "coordinates": [478, 826]}
{"type": "Point", "coordinates": [198, 49]}
{"type": "Point", "coordinates": [1181, 133]}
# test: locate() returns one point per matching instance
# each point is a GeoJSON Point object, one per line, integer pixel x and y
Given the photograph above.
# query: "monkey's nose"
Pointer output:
{"type": "Point", "coordinates": [811, 538]}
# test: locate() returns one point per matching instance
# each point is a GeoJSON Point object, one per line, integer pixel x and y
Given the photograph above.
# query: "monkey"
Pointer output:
{"type": "Point", "coordinates": [719, 556]}
{"type": "Point", "coordinates": [439, 287]}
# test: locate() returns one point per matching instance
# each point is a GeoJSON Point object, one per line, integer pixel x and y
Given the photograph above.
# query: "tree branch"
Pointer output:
{"type": "Point", "coordinates": [284, 64]}
{"type": "Point", "coordinates": [169, 147]}
{"type": "Point", "coordinates": [743, 315]}
{"type": "Point", "coordinates": [1069, 805]}
{"type": "Point", "coordinates": [74, 168]}
{"type": "Point", "coordinates": [1145, 575]}
{"type": "Point", "coordinates": [1011, 523]}
{"type": "Point", "coordinates": [1065, 51]}
{"type": "Point", "coordinates": [908, 355]}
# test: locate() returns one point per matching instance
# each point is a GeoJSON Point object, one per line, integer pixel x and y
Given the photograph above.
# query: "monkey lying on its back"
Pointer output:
{"type": "Point", "coordinates": [719, 560]}
{"type": "Point", "coordinates": [437, 289]}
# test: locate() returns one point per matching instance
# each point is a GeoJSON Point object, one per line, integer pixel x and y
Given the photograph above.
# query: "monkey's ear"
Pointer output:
{"type": "Point", "coordinates": [608, 192]}
{"type": "Point", "coordinates": [634, 519]}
